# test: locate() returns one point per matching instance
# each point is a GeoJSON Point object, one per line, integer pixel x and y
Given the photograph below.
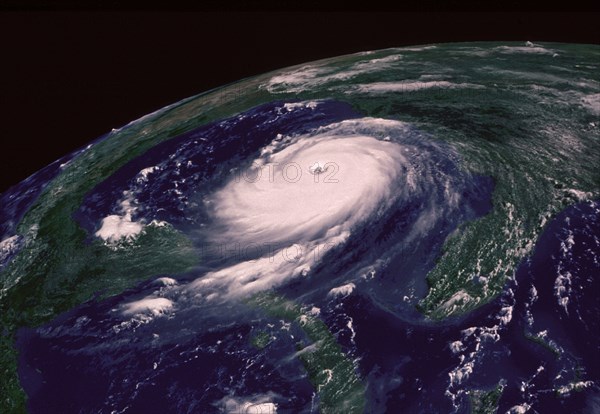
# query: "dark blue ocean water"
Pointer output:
{"type": "Point", "coordinates": [199, 159]}
{"type": "Point", "coordinates": [407, 364]}
{"type": "Point", "coordinates": [76, 360]}
{"type": "Point", "coordinates": [93, 359]}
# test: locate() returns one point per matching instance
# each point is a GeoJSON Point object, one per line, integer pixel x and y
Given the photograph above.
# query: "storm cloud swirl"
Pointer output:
{"type": "Point", "coordinates": [284, 213]}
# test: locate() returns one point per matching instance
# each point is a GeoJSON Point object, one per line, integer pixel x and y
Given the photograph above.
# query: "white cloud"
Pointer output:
{"type": "Point", "coordinates": [343, 290]}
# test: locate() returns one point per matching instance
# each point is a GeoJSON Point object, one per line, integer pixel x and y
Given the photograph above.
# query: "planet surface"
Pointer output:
{"type": "Point", "coordinates": [408, 230]}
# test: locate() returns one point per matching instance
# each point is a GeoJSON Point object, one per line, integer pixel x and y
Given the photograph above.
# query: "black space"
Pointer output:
{"type": "Point", "coordinates": [67, 77]}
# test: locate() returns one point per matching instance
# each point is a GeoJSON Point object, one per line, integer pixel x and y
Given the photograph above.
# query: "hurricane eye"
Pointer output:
{"type": "Point", "coordinates": [317, 168]}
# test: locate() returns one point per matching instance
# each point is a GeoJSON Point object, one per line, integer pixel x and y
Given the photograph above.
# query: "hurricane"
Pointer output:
{"type": "Point", "coordinates": [308, 195]}
{"type": "Point", "coordinates": [404, 230]}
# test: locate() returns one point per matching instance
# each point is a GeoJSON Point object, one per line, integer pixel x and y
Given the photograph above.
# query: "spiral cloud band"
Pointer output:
{"type": "Point", "coordinates": [302, 194]}
{"type": "Point", "coordinates": [317, 185]}
{"type": "Point", "coordinates": [307, 193]}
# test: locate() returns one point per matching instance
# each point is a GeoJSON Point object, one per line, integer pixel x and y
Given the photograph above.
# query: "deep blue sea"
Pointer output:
{"type": "Point", "coordinates": [92, 360]}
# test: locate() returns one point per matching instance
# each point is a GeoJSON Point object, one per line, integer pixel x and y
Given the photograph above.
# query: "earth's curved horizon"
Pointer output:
{"type": "Point", "coordinates": [411, 229]}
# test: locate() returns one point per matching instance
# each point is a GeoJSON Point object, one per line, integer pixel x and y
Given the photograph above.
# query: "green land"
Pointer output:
{"type": "Point", "coordinates": [541, 147]}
